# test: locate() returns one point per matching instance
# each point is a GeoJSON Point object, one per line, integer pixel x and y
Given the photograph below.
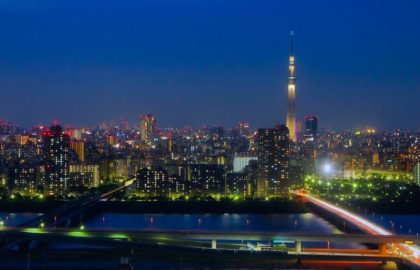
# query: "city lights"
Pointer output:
{"type": "Point", "coordinates": [209, 135]}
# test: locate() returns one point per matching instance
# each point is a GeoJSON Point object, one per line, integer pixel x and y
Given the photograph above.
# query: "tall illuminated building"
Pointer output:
{"type": "Point", "coordinates": [291, 90]}
{"type": "Point", "coordinates": [244, 128]}
{"type": "Point", "coordinates": [56, 145]}
{"type": "Point", "coordinates": [311, 127]}
{"type": "Point", "coordinates": [416, 173]}
{"type": "Point", "coordinates": [79, 148]}
{"type": "Point", "coordinates": [148, 128]}
{"type": "Point", "coordinates": [309, 149]}
{"type": "Point", "coordinates": [241, 160]}
{"type": "Point", "coordinates": [273, 161]}
{"type": "Point", "coordinates": [111, 139]}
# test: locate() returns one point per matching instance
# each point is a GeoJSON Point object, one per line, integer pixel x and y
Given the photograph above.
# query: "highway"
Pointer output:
{"type": "Point", "coordinates": [411, 253]}
{"type": "Point", "coordinates": [196, 235]}
{"type": "Point", "coordinates": [225, 242]}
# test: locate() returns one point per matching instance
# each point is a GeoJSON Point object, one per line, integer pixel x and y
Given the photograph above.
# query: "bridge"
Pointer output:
{"type": "Point", "coordinates": [64, 214]}
{"type": "Point", "coordinates": [409, 252]}
{"type": "Point", "coordinates": [197, 236]}
{"type": "Point", "coordinates": [223, 242]}
{"type": "Point", "coordinates": [390, 246]}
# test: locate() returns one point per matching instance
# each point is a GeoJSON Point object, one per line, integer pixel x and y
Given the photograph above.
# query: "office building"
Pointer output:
{"type": "Point", "coordinates": [241, 160]}
{"type": "Point", "coordinates": [79, 148]}
{"type": "Point", "coordinates": [148, 128]}
{"type": "Point", "coordinates": [311, 128]}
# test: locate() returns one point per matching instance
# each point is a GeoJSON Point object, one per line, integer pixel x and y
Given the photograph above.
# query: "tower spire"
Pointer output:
{"type": "Point", "coordinates": [291, 89]}
{"type": "Point", "coordinates": [292, 42]}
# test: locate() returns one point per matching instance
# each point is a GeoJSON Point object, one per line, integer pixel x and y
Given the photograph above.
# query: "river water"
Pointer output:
{"type": "Point", "coordinates": [299, 223]}
{"type": "Point", "coordinates": [215, 222]}
{"type": "Point", "coordinates": [307, 222]}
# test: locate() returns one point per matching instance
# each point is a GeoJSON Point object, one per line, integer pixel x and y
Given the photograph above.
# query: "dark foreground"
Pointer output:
{"type": "Point", "coordinates": [168, 258]}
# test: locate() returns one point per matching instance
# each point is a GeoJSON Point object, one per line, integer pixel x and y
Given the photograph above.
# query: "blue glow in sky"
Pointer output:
{"type": "Point", "coordinates": [211, 61]}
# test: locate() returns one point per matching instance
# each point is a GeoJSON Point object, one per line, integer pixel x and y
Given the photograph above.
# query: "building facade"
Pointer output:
{"type": "Point", "coordinates": [56, 145]}
{"type": "Point", "coordinates": [148, 128]}
{"type": "Point", "coordinates": [273, 161]}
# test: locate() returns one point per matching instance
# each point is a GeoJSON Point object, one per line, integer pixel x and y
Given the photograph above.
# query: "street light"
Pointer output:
{"type": "Point", "coordinates": [42, 225]}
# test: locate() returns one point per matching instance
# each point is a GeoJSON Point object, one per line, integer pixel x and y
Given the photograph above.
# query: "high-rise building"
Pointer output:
{"type": "Point", "coordinates": [56, 145]}
{"type": "Point", "coordinates": [123, 123]}
{"type": "Point", "coordinates": [273, 161]}
{"type": "Point", "coordinates": [111, 139]}
{"type": "Point", "coordinates": [241, 160]}
{"type": "Point", "coordinates": [153, 181]}
{"type": "Point", "coordinates": [76, 134]}
{"type": "Point", "coordinates": [148, 128]}
{"type": "Point", "coordinates": [86, 175]}
{"type": "Point", "coordinates": [416, 173]}
{"type": "Point", "coordinates": [244, 128]}
{"type": "Point", "coordinates": [291, 90]}
{"type": "Point", "coordinates": [23, 139]}
{"type": "Point", "coordinates": [311, 126]}
{"type": "Point", "coordinates": [206, 178]}
{"type": "Point", "coordinates": [107, 169]}
{"type": "Point", "coordinates": [237, 184]}
{"type": "Point", "coordinates": [79, 148]}
{"type": "Point", "coordinates": [23, 179]}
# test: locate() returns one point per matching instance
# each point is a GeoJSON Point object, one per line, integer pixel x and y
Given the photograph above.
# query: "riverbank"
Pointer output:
{"type": "Point", "coordinates": [216, 207]}
{"type": "Point", "coordinates": [189, 207]}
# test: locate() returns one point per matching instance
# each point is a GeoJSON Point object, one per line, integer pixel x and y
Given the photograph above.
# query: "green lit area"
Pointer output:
{"type": "Point", "coordinates": [78, 234]}
{"type": "Point", "coordinates": [33, 230]}
{"type": "Point", "coordinates": [373, 189]}
{"type": "Point", "coordinates": [118, 236]}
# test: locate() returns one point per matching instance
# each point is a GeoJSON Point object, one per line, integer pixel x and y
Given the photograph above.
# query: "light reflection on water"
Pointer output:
{"type": "Point", "coordinates": [13, 219]}
{"type": "Point", "coordinates": [218, 222]}
{"type": "Point", "coordinates": [299, 223]}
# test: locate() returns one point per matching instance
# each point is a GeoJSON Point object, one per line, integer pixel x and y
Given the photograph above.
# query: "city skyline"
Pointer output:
{"type": "Point", "coordinates": [230, 60]}
{"type": "Point", "coordinates": [210, 134]}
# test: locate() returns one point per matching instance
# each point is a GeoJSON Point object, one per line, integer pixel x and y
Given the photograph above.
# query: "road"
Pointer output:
{"type": "Point", "coordinates": [411, 253]}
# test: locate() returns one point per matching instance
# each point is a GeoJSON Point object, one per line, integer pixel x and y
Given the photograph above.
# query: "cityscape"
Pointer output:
{"type": "Point", "coordinates": [122, 194]}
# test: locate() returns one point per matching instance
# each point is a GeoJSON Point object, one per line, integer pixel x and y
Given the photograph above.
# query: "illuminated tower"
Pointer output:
{"type": "Point", "coordinates": [291, 89]}
{"type": "Point", "coordinates": [148, 128]}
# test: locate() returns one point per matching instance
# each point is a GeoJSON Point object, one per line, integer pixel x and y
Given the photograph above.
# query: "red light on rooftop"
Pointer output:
{"type": "Point", "coordinates": [308, 117]}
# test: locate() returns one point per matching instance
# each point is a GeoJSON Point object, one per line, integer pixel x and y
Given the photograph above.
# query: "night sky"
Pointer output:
{"type": "Point", "coordinates": [192, 62]}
